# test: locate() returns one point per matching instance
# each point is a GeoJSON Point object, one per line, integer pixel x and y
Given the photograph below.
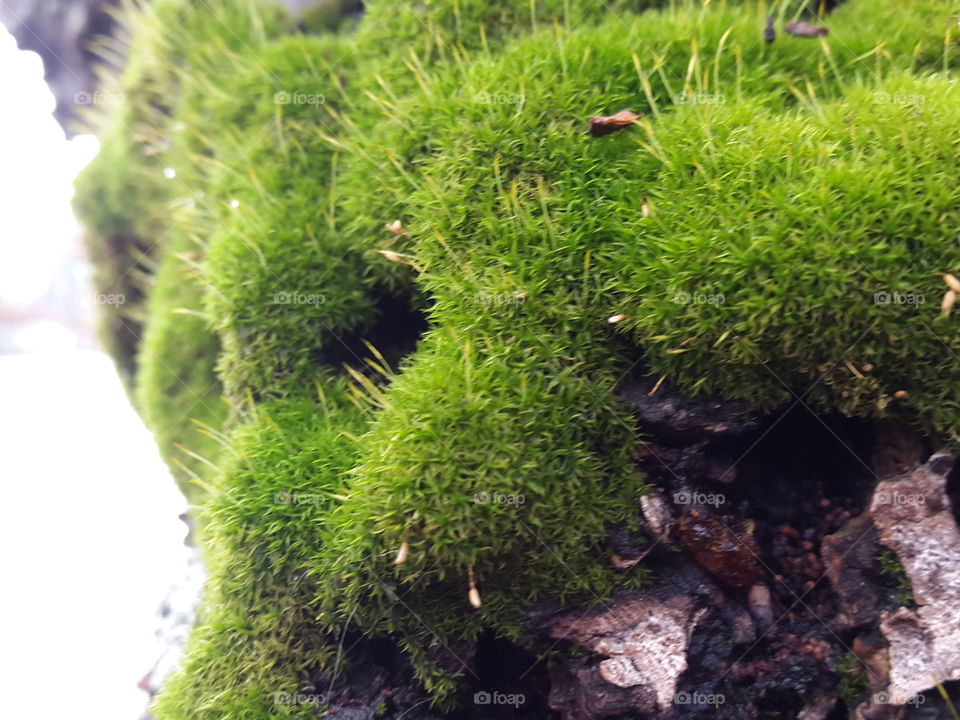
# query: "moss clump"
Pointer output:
{"type": "Point", "coordinates": [123, 196]}
{"type": "Point", "coordinates": [437, 28]}
{"type": "Point", "coordinates": [285, 285]}
{"type": "Point", "coordinates": [141, 231]}
{"type": "Point", "coordinates": [806, 252]}
{"type": "Point", "coordinates": [757, 274]}
{"type": "Point", "coordinates": [741, 230]}
{"type": "Point", "coordinates": [529, 236]}
{"type": "Point", "coordinates": [257, 640]}
{"type": "Point", "coordinates": [483, 463]}
{"type": "Point", "coordinates": [854, 683]}
{"type": "Point", "coordinates": [178, 392]}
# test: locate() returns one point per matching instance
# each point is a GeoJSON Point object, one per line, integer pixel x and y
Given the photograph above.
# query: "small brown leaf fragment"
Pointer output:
{"type": "Point", "coordinates": [396, 227]}
{"type": "Point", "coordinates": [473, 595]}
{"type": "Point", "coordinates": [624, 563]}
{"type": "Point", "coordinates": [395, 257]}
{"type": "Point", "coordinates": [601, 125]}
{"type": "Point", "coordinates": [949, 300]}
{"type": "Point", "coordinates": [853, 370]}
{"type": "Point", "coordinates": [799, 28]}
{"type": "Point", "coordinates": [657, 385]}
{"type": "Point", "coordinates": [730, 557]}
{"type": "Point", "coordinates": [901, 395]}
{"type": "Point", "coordinates": [769, 32]}
{"type": "Point", "coordinates": [760, 604]}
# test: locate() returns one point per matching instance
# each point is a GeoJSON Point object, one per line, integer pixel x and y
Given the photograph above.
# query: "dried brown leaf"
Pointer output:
{"type": "Point", "coordinates": [605, 124]}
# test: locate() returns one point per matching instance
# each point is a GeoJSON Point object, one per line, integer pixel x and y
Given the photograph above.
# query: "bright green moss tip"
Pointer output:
{"type": "Point", "coordinates": [396, 250]}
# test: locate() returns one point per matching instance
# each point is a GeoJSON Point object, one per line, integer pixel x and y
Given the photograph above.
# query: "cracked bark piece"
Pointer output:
{"type": "Point", "coordinates": [914, 518]}
{"type": "Point", "coordinates": [579, 691]}
{"type": "Point", "coordinates": [656, 511]}
{"type": "Point", "coordinates": [818, 708]}
{"type": "Point", "coordinates": [848, 557]}
{"type": "Point", "coordinates": [667, 413]}
{"type": "Point", "coordinates": [643, 640]}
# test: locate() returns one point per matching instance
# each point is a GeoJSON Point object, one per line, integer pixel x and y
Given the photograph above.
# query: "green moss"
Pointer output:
{"type": "Point", "coordinates": [820, 219]}
{"type": "Point", "coordinates": [553, 195]}
{"type": "Point", "coordinates": [854, 683]}
{"type": "Point", "coordinates": [515, 201]}
{"type": "Point", "coordinates": [436, 28]}
{"type": "Point", "coordinates": [484, 460]}
{"type": "Point", "coordinates": [122, 196]}
{"type": "Point", "coordinates": [556, 78]}
{"type": "Point", "coordinates": [136, 224]}
{"type": "Point", "coordinates": [288, 241]}
{"type": "Point", "coordinates": [785, 186]}
{"type": "Point", "coordinates": [256, 641]}
{"type": "Point", "coordinates": [286, 286]}
{"type": "Point", "coordinates": [892, 568]}
{"type": "Point", "coordinates": [178, 392]}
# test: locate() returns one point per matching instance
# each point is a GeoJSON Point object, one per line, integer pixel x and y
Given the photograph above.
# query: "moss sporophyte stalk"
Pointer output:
{"type": "Point", "coordinates": [489, 270]}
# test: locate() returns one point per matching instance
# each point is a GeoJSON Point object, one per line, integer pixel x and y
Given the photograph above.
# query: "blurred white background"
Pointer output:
{"type": "Point", "coordinates": [90, 538]}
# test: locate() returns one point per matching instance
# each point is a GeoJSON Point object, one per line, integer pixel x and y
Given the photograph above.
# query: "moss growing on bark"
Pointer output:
{"type": "Point", "coordinates": [750, 236]}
